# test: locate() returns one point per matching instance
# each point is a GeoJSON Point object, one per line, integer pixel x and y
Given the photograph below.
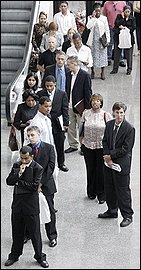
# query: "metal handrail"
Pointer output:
{"type": "Point", "coordinates": [25, 62]}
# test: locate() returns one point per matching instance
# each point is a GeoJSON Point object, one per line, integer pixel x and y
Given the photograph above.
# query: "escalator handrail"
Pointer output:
{"type": "Point", "coordinates": [25, 61]}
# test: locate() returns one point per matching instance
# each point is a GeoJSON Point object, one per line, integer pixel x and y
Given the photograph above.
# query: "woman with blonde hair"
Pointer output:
{"type": "Point", "coordinates": [69, 42]}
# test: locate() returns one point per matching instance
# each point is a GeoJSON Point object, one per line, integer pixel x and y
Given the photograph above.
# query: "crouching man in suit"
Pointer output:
{"type": "Point", "coordinates": [25, 176]}
{"type": "Point", "coordinates": [118, 142]}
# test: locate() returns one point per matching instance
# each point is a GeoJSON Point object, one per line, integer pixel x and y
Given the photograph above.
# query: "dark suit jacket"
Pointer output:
{"type": "Point", "coordinates": [46, 158]}
{"type": "Point", "coordinates": [122, 154]}
{"type": "Point", "coordinates": [51, 70]}
{"type": "Point", "coordinates": [59, 107]}
{"type": "Point", "coordinates": [82, 89]}
{"type": "Point", "coordinates": [25, 188]}
{"type": "Point", "coordinates": [24, 113]}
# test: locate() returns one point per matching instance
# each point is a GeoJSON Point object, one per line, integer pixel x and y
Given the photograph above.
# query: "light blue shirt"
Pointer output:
{"type": "Point", "coordinates": [63, 75]}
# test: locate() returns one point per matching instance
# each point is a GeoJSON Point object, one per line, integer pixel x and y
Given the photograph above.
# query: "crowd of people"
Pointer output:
{"type": "Point", "coordinates": [64, 104]}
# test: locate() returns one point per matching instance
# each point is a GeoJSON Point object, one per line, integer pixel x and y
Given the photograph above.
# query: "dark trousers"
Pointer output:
{"type": "Point", "coordinates": [51, 226]}
{"type": "Point", "coordinates": [118, 193]}
{"type": "Point", "coordinates": [59, 139]}
{"type": "Point", "coordinates": [94, 166]}
{"type": "Point", "coordinates": [32, 223]}
{"type": "Point", "coordinates": [128, 55]}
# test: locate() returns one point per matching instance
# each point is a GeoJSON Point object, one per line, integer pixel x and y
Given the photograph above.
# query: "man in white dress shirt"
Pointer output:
{"type": "Point", "coordinates": [42, 120]}
{"type": "Point", "coordinates": [82, 51]}
{"type": "Point", "coordinates": [65, 19]}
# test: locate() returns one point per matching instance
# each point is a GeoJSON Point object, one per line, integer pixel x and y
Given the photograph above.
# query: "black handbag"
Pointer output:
{"type": "Point", "coordinates": [103, 40]}
{"type": "Point", "coordinates": [13, 142]}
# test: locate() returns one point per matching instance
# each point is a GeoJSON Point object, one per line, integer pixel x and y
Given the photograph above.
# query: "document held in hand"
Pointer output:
{"type": "Point", "coordinates": [79, 106]}
{"type": "Point", "coordinates": [114, 166]}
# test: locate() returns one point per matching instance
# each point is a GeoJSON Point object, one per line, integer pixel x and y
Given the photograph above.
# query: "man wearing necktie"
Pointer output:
{"type": "Point", "coordinates": [46, 158]}
{"type": "Point", "coordinates": [118, 141]}
{"type": "Point", "coordinates": [58, 70]}
{"type": "Point", "coordinates": [115, 131]}
{"type": "Point", "coordinates": [59, 79]}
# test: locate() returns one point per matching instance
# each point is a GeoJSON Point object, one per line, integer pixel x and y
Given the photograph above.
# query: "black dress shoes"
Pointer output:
{"type": "Point", "coordinates": [91, 197]}
{"type": "Point", "coordinates": [10, 262]}
{"type": "Point", "coordinates": [63, 168]}
{"type": "Point", "coordinates": [107, 215]}
{"type": "Point", "coordinates": [101, 198]}
{"type": "Point", "coordinates": [70, 149]}
{"type": "Point", "coordinates": [101, 201]}
{"type": "Point", "coordinates": [125, 222]}
{"type": "Point", "coordinates": [128, 72]}
{"type": "Point", "coordinates": [122, 64]}
{"type": "Point", "coordinates": [53, 243]}
{"type": "Point", "coordinates": [113, 71]}
{"type": "Point", "coordinates": [44, 264]}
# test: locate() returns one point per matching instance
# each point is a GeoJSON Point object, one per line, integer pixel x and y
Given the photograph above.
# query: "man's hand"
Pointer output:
{"type": "Point", "coordinates": [22, 168]}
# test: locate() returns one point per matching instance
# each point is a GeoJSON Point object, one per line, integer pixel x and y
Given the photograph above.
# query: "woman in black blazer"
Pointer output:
{"type": "Point", "coordinates": [26, 111]}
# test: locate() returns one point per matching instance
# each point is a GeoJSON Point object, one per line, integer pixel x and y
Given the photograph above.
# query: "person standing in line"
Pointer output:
{"type": "Point", "coordinates": [98, 25]}
{"type": "Point", "coordinates": [53, 31]}
{"type": "Point", "coordinates": [42, 120]}
{"type": "Point", "coordinates": [54, 70]}
{"type": "Point", "coordinates": [82, 51]}
{"type": "Point", "coordinates": [44, 154]}
{"type": "Point", "coordinates": [59, 117]}
{"type": "Point", "coordinates": [93, 122]}
{"type": "Point", "coordinates": [136, 9]}
{"type": "Point", "coordinates": [26, 111]}
{"type": "Point", "coordinates": [124, 20]}
{"type": "Point", "coordinates": [65, 19]}
{"type": "Point", "coordinates": [39, 29]}
{"type": "Point", "coordinates": [79, 91]}
{"type": "Point", "coordinates": [30, 83]}
{"type": "Point", "coordinates": [111, 9]}
{"type": "Point", "coordinates": [69, 42]}
{"type": "Point", "coordinates": [118, 142]}
{"type": "Point", "coordinates": [47, 58]}
{"type": "Point", "coordinates": [25, 176]}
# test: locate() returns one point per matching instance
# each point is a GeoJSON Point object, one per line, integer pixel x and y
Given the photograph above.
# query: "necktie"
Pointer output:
{"type": "Point", "coordinates": [59, 80]}
{"type": "Point", "coordinates": [114, 135]}
{"type": "Point", "coordinates": [35, 150]}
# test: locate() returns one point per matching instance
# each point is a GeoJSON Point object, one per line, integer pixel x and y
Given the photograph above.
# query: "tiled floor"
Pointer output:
{"type": "Point", "coordinates": [84, 241]}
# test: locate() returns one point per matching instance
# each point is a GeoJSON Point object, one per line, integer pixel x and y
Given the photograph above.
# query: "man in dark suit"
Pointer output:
{"type": "Point", "coordinates": [55, 68]}
{"type": "Point", "coordinates": [25, 176]}
{"type": "Point", "coordinates": [79, 91]}
{"type": "Point", "coordinates": [44, 154]}
{"type": "Point", "coordinates": [118, 142]}
{"type": "Point", "coordinates": [59, 116]}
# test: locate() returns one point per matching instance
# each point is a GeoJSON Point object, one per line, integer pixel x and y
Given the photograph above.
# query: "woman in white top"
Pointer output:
{"type": "Point", "coordinates": [98, 24]}
{"type": "Point", "coordinates": [94, 121]}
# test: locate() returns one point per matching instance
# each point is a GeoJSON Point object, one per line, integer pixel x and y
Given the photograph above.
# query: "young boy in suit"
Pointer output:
{"type": "Point", "coordinates": [44, 154]}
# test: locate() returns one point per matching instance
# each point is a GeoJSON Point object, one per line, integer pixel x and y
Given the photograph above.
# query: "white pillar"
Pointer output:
{"type": "Point", "coordinates": [47, 7]}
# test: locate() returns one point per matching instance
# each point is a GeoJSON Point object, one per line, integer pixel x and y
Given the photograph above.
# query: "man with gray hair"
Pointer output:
{"type": "Point", "coordinates": [79, 91]}
{"type": "Point", "coordinates": [58, 70]}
